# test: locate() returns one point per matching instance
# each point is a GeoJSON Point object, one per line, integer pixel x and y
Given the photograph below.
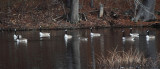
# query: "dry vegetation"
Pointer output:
{"type": "Point", "coordinates": [51, 14]}
{"type": "Point", "coordinates": [131, 59]}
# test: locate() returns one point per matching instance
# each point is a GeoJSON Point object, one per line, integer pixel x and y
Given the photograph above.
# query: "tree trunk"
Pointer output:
{"type": "Point", "coordinates": [74, 11]}
{"type": "Point", "coordinates": [92, 5]}
{"type": "Point", "coordinates": [145, 10]}
{"type": "Point", "coordinates": [101, 10]}
{"type": "Point", "coordinates": [68, 3]}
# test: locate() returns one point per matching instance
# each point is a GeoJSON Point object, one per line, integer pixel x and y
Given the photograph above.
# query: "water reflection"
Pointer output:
{"type": "Point", "coordinates": [73, 53]}
{"type": "Point", "coordinates": [20, 43]}
{"type": "Point", "coordinates": [147, 47]}
{"type": "Point", "coordinates": [76, 53]}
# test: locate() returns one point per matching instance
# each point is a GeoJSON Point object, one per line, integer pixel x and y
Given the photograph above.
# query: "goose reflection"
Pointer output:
{"type": "Point", "coordinates": [93, 54]}
{"type": "Point", "coordinates": [148, 48]}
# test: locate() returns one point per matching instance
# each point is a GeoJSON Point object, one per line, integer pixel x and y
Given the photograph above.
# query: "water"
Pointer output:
{"type": "Point", "coordinates": [54, 53]}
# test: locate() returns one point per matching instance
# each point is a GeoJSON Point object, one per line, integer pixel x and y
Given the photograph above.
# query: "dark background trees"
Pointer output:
{"type": "Point", "coordinates": [54, 13]}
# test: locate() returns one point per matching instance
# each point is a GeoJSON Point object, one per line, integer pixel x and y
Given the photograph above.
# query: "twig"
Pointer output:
{"type": "Point", "coordinates": [57, 17]}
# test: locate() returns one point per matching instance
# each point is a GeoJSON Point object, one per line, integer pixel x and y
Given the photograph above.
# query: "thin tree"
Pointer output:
{"type": "Point", "coordinates": [92, 5]}
{"type": "Point", "coordinates": [145, 10]}
{"type": "Point", "coordinates": [74, 11]}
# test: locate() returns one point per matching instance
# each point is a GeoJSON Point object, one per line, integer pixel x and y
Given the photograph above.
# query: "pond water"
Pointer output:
{"type": "Point", "coordinates": [56, 53]}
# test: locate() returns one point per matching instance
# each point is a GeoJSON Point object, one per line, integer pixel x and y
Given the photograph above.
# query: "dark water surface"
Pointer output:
{"type": "Point", "coordinates": [54, 53]}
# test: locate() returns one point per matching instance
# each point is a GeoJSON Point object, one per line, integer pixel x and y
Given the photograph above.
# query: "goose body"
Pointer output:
{"type": "Point", "coordinates": [94, 34]}
{"type": "Point", "coordinates": [43, 34]}
{"type": "Point", "coordinates": [67, 36]}
{"type": "Point", "coordinates": [83, 39]}
{"type": "Point", "coordinates": [133, 34]}
{"type": "Point", "coordinates": [21, 40]}
{"type": "Point", "coordinates": [128, 38]}
{"type": "Point", "coordinates": [149, 37]}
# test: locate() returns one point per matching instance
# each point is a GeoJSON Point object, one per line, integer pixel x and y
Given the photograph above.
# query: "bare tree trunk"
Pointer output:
{"type": "Point", "coordinates": [68, 3]}
{"type": "Point", "coordinates": [101, 10]}
{"type": "Point", "coordinates": [92, 5]}
{"type": "Point", "coordinates": [145, 10]}
{"type": "Point", "coordinates": [74, 11]}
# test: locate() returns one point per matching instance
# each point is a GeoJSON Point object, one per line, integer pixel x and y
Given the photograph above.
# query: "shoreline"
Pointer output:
{"type": "Point", "coordinates": [75, 28]}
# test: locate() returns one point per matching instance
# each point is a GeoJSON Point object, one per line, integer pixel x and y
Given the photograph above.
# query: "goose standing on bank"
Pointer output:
{"type": "Point", "coordinates": [94, 34]}
{"type": "Point", "coordinates": [43, 34]}
{"type": "Point", "coordinates": [133, 34]}
{"type": "Point", "coordinates": [15, 36]}
{"type": "Point", "coordinates": [149, 37]}
{"type": "Point", "coordinates": [124, 38]}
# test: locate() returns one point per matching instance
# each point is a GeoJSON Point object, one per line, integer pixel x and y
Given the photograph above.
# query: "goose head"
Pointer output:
{"type": "Point", "coordinates": [15, 31]}
{"type": "Point", "coordinates": [40, 29]}
{"type": "Point", "coordinates": [91, 29]}
{"type": "Point", "coordinates": [130, 30]}
{"type": "Point", "coordinates": [147, 32]}
{"type": "Point", "coordinates": [123, 33]}
{"type": "Point", "coordinates": [66, 31]}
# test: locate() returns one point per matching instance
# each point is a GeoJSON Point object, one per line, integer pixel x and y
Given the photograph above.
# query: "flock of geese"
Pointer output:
{"type": "Point", "coordinates": [136, 35]}
{"type": "Point", "coordinates": [20, 39]}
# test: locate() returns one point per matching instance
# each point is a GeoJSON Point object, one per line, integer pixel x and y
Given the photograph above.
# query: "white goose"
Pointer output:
{"type": "Point", "coordinates": [149, 37]}
{"type": "Point", "coordinates": [94, 34]}
{"type": "Point", "coordinates": [133, 34]}
{"type": "Point", "coordinates": [43, 34]}
{"type": "Point", "coordinates": [124, 38]}
{"type": "Point", "coordinates": [15, 36]}
{"type": "Point", "coordinates": [21, 40]}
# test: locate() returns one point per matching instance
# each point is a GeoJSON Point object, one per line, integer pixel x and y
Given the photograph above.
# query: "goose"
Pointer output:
{"type": "Point", "coordinates": [21, 40]}
{"type": "Point", "coordinates": [66, 36]}
{"type": "Point", "coordinates": [149, 37]}
{"type": "Point", "coordinates": [43, 34]}
{"type": "Point", "coordinates": [124, 38]}
{"type": "Point", "coordinates": [133, 34]}
{"type": "Point", "coordinates": [94, 34]}
{"type": "Point", "coordinates": [15, 36]}
{"type": "Point", "coordinates": [83, 38]}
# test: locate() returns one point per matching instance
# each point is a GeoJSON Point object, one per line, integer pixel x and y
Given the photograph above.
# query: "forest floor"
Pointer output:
{"type": "Point", "coordinates": [56, 18]}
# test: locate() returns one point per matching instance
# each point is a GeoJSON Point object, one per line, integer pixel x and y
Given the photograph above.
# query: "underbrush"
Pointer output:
{"type": "Point", "coordinates": [131, 59]}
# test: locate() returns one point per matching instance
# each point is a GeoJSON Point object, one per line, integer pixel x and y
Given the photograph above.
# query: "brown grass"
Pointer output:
{"type": "Point", "coordinates": [130, 59]}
